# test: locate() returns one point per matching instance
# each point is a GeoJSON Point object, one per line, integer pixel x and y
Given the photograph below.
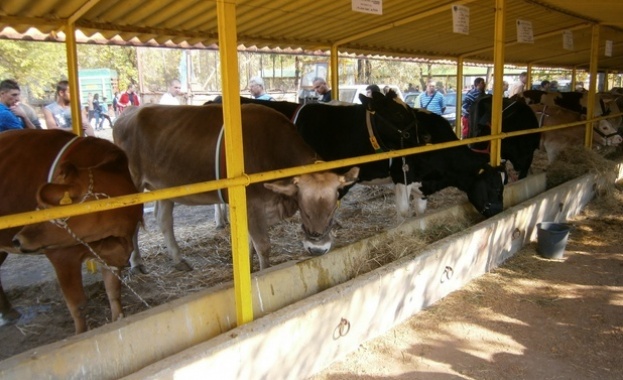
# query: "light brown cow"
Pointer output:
{"type": "Point", "coordinates": [42, 169]}
{"type": "Point", "coordinates": [177, 145]}
{"type": "Point", "coordinates": [556, 141]}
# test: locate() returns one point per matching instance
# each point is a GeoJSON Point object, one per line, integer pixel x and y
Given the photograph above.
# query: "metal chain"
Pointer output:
{"type": "Point", "coordinates": [62, 223]}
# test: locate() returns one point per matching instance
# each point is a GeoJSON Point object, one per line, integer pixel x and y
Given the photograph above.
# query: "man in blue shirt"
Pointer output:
{"type": "Point", "coordinates": [468, 100]}
{"type": "Point", "coordinates": [432, 99]}
{"type": "Point", "coordinates": [12, 116]}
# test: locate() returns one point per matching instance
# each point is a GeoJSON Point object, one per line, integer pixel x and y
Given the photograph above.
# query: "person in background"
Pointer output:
{"type": "Point", "coordinates": [386, 90]}
{"type": "Point", "coordinates": [12, 116]}
{"type": "Point", "coordinates": [372, 88]}
{"type": "Point", "coordinates": [170, 97]}
{"type": "Point", "coordinates": [545, 86]}
{"type": "Point", "coordinates": [31, 114]}
{"type": "Point", "coordinates": [468, 100]}
{"type": "Point", "coordinates": [519, 86]}
{"type": "Point", "coordinates": [58, 113]}
{"type": "Point", "coordinates": [115, 102]}
{"type": "Point", "coordinates": [97, 110]}
{"type": "Point", "coordinates": [321, 88]}
{"type": "Point", "coordinates": [256, 87]}
{"type": "Point", "coordinates": [432, 100]}
{"type": "Point", "coordinates": [505, 89]}
{"type": "Point", "coordinates": [128, 98]}
{"type": "Point", "coordinates": [553, 86]}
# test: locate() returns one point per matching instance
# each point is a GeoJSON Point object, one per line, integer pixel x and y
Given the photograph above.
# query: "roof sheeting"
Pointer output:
{"type": "Point", "coordinates": [406, 28]}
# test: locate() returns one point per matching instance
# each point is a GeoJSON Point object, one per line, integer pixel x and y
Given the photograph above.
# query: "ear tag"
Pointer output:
{"type": "Point", "coordinates": [91, 265]}
{"type": "Point", "coordinates": [66, 200]}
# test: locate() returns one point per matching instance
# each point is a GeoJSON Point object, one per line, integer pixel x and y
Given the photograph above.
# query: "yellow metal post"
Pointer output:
{"type": "Point", "coordinates": [574, 72]}
{"type": "Point", "coordinates": [226, 13]}
{"type": "Point", "coordinates": [459, 96]}
{"type": "Point", "coordinates": [592, 87]}
{"type": "Point", "coordinates": [335, 74]}
{"type": "Point", "coordinates": [72, 71]}
{"type": "Point", "coordinates": [498, 73]}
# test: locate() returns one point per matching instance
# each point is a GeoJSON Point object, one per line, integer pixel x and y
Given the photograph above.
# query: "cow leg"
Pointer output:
{"type": "Point", "coordinates": [112, 283]}
{"type": "Point", "coordinates": [7, 313]}
{"type": "Point", "coordinates": [402, 199]}
{"type": "Point", "coordinates": [136, 261]}
{"type": "Point", "coordinates": [402, 195]}
{"type": "Point", "coordinates": [220, 215]}
{"type": "Point", "coordinates": [164, 216]}
{"type": "Point", "coordinates": [68, 268]}
{"type": "Point", "coordinates": [258, 232]}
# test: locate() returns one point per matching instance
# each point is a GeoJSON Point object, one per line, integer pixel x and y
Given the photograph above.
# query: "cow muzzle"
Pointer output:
{"type": "Point", "coordinates": [317, 244]}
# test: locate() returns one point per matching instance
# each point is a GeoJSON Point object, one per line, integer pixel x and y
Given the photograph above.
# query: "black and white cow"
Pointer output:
{"type": "Point", "coordinates": [345, 131]}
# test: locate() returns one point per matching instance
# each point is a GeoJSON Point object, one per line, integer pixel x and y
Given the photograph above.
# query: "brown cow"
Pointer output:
{"type": "Point", "coordinates": [177, 145]}
{"type": "Point", "coordinates": [556, 141]}
{"type": "Point", "coordinates": [42, 169]}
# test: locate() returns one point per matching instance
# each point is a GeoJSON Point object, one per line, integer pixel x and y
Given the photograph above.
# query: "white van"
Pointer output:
{"type": "Point", "coordinates": [350, 92]}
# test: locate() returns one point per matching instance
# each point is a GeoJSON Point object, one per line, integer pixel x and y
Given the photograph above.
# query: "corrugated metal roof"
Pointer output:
{"type": "Point", "coordinates": [406, 28]}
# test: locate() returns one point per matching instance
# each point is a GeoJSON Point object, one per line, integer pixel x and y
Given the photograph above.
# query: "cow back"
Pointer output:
{"type": "Point", "coordinates": [177, 145]}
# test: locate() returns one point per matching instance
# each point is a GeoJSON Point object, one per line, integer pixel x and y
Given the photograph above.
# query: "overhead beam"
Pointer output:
{"type": "Point", "coordinates": [536, 38]}
{"type": "Point", "coordinates": [404, 21]}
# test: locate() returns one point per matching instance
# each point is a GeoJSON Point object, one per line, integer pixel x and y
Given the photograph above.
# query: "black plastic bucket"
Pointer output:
{"type": "Point", "coordinates": [552, 239]}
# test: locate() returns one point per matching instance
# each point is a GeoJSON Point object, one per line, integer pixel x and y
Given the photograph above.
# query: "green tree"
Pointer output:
{"type": "Point", "coordinates": [36, 66]}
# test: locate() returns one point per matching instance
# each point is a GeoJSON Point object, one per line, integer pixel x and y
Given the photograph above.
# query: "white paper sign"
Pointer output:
{"type": "Point", "coordinates": [567, 40]}
{"type": "Point", "coordinates": [524, 32]}
{"type": "Point", "coordinates": [460, 19]}
{"type": "Point", "coordinates": [608, 48]}
{"type": "Point", "coordinates": [368, 6]}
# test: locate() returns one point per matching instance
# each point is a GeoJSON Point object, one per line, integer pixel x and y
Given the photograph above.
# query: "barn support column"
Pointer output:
{"type": "Point", "coordinates": [335, 74]}
{"type": "Point", "coordinates": [574, 73]}
{"type": "Point", "coordinates": [72, 71]}
{"type": "Point", "coordinates": [226, 13]}
{"type": "Point", "coordinates": [592, 87]}
{"type": "Point", "coordinates": [459, 96]}
{"type": "Point", "coordinates": [498, 74]}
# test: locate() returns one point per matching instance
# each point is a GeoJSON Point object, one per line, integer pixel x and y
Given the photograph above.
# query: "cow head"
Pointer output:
{"type": "Point", "coordinates": [487, 191]}
{"type": "Point", "coordinates": [73, 185]}
{"type": "Point", "coordinates": [394, 123]}
{"type": "Point", "coordinates": [317, 197]}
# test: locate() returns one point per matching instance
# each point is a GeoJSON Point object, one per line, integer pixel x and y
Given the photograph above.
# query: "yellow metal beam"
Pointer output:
{"type": "Point", "coordinates": [335, 73]}
{"type": "Point", "coordinates": [498, 75]}
{"type": "Point", "coordinates": [227, 34]}
{"type": "Point", "coordinates": [74, 87]}
{"type": "Point", "coordinates": [459, 97]}
{"type": "Point", "coordinates": [592, 87]}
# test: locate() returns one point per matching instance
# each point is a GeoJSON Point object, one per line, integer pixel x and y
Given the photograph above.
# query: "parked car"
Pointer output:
{"type": "Point", "coordinates": [350, 93]}
{"type": "Point", "coordinates": [412, 99]}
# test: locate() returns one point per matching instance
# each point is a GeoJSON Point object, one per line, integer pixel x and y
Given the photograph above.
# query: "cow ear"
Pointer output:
{"type": "Point", "coordinates": [113, 159]}
{"type": "Point", "coordinates": [54, 194]}
{"type": "Point", "coordinates": [66, 172]}
{"type": "Point", "coordinates": [364, 100]}
{"type": "Point", "coordinates": [289, 189]}
{"type": "Point", "coordinates": [350, 177]}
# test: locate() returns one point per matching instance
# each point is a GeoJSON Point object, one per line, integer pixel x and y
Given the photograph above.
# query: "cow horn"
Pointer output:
{"type": "Point", "coordinates": [66, 199]}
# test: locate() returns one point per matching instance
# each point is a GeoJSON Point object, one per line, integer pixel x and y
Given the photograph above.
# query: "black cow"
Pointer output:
{"type": "Point", "coordinates": [516, 116]}
{"type": "Point", "coordinates": [343, 131]}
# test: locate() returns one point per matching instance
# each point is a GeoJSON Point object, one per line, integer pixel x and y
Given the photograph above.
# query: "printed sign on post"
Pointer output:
{"type": "Point", "coordinates": [460, 19]}
{"type": "Point", "coordinates": [567, 40]}
{"type": "Point", "coordinates": [524, 32]}
{"type": "Point", "coordinates": [608, 52]}
{"type": "Point", "coordinates": [368, 6]}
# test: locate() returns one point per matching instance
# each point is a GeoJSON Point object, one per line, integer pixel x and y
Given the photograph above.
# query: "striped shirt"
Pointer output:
{"type": "Point", "coordinates": [435, 103]}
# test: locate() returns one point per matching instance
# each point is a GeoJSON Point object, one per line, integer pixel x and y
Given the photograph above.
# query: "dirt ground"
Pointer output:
{"type": "Point", "coordinates": [533, 318]}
